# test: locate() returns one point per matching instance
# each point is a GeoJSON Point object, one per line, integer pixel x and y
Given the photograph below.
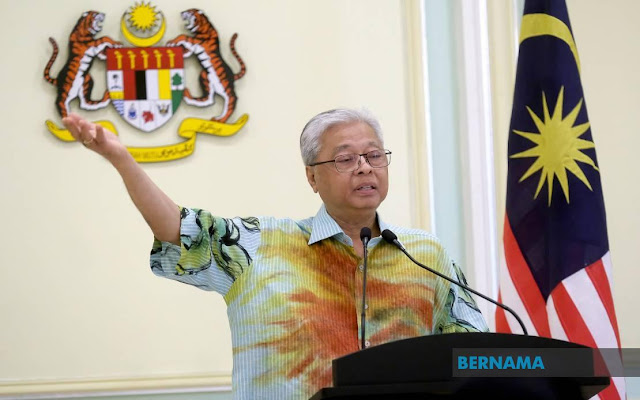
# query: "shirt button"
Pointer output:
{"type": "Point", "coordinates": [361, 267]}
{"type": "Point", "coordinates": [367, 343]}
{"type": "Point", "coordinates": [366, 306]}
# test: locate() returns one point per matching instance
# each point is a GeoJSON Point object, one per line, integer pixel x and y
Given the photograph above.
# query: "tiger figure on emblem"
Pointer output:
{"type": "Point", "coordinates": [216, 76]}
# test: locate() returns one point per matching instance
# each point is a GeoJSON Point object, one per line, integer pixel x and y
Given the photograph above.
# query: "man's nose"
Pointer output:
{"type": "Point", "coordinates": [364, 166]}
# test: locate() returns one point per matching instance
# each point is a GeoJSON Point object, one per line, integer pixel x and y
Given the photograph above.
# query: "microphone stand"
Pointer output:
{"type": "Point", "coordinates": [391, 237]}
{"type": "Point", "coordinates": [365, 236]}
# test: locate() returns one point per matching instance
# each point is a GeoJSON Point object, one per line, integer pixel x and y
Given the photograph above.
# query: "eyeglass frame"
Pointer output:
{"type": "Point", "coordinates": [386, 153]}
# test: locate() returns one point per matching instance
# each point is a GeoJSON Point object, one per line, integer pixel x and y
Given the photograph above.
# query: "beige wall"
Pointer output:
{"type": "Point", "coordinates": [78, 303]}
{"type": "Point", "coordinates": [78, 300]}
{"type": "Point", "coordinates": [607, 40]}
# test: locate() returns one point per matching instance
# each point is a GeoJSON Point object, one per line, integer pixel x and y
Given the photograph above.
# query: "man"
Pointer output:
{"type": "Point", "coordinates": [293, 288]}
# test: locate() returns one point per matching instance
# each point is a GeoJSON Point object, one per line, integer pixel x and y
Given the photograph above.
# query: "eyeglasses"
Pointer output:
{"type": "Point", "coordinates": [351, 162]}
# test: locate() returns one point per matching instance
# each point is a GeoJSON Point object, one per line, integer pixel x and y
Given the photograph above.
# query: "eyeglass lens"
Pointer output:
{"type": "Point", "coordinates": [350, 162]}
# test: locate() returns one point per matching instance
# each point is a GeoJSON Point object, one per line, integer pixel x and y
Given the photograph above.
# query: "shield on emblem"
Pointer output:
{"type": "Point", "coordinates": [145, 84]}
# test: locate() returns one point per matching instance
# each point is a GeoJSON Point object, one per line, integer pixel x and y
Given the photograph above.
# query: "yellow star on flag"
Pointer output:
{"type": "Point", "coordinates": [558, 147]}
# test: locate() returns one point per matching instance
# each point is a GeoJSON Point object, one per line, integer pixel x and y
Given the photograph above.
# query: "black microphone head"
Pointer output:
{"type": "Point", "coordinates": [389, 236]}
{"type": "Point", "coordinates": [365, 233]}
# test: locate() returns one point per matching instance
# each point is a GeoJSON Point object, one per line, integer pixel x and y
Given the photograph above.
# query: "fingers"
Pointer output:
{"type": "Point", "coordinates": [71, 123]}
{"type": "Point", "coordinates": [87, 132]}
{"type": "Point", "coordinates": [90, 134]}
{"type": "Point", "coordinates": [100, 134]}
{"type": "Point", "coordinates": [82, 130]}
{"type": "Point", "coordinates": [73, 118]}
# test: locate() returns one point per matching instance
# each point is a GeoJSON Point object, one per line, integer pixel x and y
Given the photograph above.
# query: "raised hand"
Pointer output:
{"type": "Point", "coordinates": [95, 137]}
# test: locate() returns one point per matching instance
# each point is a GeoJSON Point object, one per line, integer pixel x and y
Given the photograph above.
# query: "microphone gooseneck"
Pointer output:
{"type": "Point", "coordinates": [391, 238]}
{"type": "Point", "coordinates": [365, 236]}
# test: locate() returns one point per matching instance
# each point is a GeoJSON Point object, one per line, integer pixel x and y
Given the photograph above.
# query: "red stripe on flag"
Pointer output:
{"type": "Point", "coordinates": [570, 317]}
{"type": "Point", "coordinates": [599, 279]}
{"type": "Point", "coordinates": [610, 392]}
{"type": "Point", "coordinates": [501, 319]}
{"type": "Point", "coordinates": [524, 283]}
{"type": "Point", "coordinates": [576, 329]}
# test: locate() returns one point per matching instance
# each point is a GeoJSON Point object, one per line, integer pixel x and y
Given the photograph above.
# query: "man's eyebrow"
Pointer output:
{"type": "Point", "coordinates": [340, 148]}
{"type": "Point", "coordinates": [348, 146]}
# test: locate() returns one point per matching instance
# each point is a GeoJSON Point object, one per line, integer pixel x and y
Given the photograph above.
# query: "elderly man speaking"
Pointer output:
{"type": "Point", "coordinates": [293, 288]}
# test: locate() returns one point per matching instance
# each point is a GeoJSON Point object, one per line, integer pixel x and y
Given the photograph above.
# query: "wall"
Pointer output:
{"type": "Point", "coordinates": [80, 307]}
{"type": "Point", "coordinates": [607, 39]}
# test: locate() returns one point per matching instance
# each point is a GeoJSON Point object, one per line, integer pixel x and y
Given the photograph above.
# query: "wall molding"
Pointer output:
{"type": "Point", "coordinates": [152, 384]}
{"type": "Point", "coordinates": [419, 145]}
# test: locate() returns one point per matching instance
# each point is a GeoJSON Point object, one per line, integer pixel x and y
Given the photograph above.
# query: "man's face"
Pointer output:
{"type": "Point", "coordinates": [349, 193]}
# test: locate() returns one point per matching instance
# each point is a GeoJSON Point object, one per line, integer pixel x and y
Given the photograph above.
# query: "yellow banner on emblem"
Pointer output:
{"type": "Point", "coordinates": [65, 135]}
{"type": "Point", "coordinates": [188, 129]}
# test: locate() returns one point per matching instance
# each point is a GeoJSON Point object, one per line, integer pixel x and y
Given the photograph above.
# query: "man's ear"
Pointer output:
{"type": "Point", "coordinates": [311, 178]}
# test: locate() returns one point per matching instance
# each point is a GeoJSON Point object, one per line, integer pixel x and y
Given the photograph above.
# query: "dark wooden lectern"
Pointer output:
{"type": "Point", "coordinates": [422, 368]}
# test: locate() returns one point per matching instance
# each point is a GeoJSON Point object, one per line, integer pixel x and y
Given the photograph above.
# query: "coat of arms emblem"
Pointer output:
{"type": "Point", "coordinates": [146, 84]}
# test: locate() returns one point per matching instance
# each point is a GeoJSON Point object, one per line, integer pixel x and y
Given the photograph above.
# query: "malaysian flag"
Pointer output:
{"type": "Point", "coordinates": [556, 272]}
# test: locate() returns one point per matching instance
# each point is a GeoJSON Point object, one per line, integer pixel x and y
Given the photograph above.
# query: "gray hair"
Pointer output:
{"type": "Point", "coordinates": [313, 130]}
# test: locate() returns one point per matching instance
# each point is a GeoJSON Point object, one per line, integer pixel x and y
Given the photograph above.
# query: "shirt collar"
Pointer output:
{"type": "Point", "coordinates": [324, 226]}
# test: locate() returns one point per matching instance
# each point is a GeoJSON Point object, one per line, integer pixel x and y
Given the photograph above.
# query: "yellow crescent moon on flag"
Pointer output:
{"type": "Point", "coordinates": [142, 42]}
{"type": "Point", "coordinates": [544, 24]}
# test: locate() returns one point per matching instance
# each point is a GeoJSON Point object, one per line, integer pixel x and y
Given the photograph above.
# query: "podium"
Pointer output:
{"type": "Point", "coordinates": [431, 367]}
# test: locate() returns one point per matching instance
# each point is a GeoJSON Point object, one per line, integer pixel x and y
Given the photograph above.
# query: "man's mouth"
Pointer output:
{"type": "Point", "coordinates": [366, 187]}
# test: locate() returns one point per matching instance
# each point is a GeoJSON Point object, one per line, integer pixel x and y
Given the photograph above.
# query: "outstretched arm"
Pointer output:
{"type": "Point", "coordinates": [160, 212]}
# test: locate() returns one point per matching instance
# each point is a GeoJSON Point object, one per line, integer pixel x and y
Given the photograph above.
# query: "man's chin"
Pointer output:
{"type": "Point", "coordinates": [370, 203]}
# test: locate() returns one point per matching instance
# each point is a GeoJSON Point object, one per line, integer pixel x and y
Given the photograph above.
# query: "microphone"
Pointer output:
{"type": "Point", "coordinates": [391, 237]}
{"type": "Point", "coordinates": [365, 236]}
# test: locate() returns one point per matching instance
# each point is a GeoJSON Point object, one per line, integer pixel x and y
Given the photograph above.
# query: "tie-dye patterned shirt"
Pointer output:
{"type": "Point", "coordinates": [294, 294]}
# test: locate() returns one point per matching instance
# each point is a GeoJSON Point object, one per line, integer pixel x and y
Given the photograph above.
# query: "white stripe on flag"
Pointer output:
{"type": "Point", "coordinates": [592, 311]}
{"type": "Point", "coordinates": [588, 302]}
{"type": "Point", "coordinates": [511, 298]}
{"type": "Point", "coordinates": [557, 331]}
{"type": "Point", "coordinates": [620, 383]}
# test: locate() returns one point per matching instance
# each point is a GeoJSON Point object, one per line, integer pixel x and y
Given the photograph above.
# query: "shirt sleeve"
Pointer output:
{"type": "Point", "coordinates": [458, 311]}
{"type": "Point", "coordinates": [213, 251]}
